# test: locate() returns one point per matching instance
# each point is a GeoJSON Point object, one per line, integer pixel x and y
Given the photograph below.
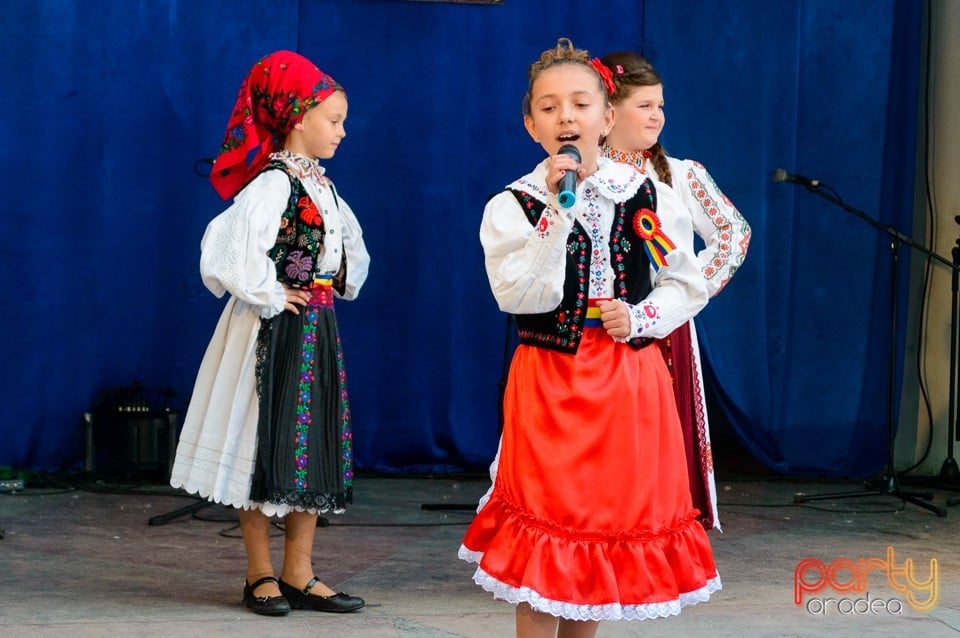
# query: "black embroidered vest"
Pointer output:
{"type": "Point", "coordinates": [300, 239]}
{"type": "Point", "coordinates": [561, 329]}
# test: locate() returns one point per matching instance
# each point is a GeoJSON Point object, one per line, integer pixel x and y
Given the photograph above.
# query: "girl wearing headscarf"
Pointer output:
{"type": "Point", "coordinates": [268, 426]}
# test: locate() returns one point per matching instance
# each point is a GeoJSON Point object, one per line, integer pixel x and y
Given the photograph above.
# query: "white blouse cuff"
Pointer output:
{"type": "Point", "coordinates": [277, 301]}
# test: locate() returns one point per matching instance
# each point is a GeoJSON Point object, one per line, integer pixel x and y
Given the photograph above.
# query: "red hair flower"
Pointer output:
{"type": "Point", "coordinates": [605, 74]}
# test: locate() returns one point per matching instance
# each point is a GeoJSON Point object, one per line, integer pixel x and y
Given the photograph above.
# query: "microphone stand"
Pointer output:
{"type": "Point", "coordinates": [949, 471]}
{"type": "Point", "coordinates": [889, 484]}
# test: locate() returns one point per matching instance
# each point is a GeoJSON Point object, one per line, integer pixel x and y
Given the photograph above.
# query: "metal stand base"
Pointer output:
{"type": "Point", "coordinates": [950, 473]}
{"type": "Point", "coordinates": [888, 487]}
{"type": "Point", "coordinates": [163, 519]}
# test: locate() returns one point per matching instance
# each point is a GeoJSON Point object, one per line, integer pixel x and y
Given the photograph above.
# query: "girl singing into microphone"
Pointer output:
{"type": "Point", "coordinates": [589, 517]}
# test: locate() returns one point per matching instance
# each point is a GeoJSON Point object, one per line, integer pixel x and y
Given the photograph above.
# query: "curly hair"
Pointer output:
{"type": "Point", "coordinates": [563, 53]}
{"type": "Point", "coordinates": [631, 70]}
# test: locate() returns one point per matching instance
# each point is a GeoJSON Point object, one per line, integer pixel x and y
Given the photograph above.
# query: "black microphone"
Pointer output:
{"type": "Point", "coordinates": [781, 175]}
{"type": "Point", "coordinates": [567, 194]}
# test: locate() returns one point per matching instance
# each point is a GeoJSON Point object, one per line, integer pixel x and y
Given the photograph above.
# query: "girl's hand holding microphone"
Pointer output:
{"type": "Point", "coordinates": [557, 167]}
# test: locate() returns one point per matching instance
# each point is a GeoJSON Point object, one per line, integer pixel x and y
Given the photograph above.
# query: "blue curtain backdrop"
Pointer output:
{"type": "Point", "coordinates": [108, 105]}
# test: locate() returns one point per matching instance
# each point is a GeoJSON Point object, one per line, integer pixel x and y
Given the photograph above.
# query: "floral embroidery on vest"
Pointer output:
{"type": "Point", "coordinates": [300, 239]}
{"type": "Point", "coordinates": [562, 329]}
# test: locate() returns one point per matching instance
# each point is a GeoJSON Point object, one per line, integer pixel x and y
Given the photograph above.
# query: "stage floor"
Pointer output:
{"type": "Point", "coordinates": [86, 563]}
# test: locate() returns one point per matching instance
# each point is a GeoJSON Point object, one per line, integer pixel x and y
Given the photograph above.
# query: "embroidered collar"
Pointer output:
{"type": "Point", "coordinates": [304, 167]}
{"type": "Point", "coordinates": [636, 159]}
{"type": "Point", "coordinates": [617, 182]}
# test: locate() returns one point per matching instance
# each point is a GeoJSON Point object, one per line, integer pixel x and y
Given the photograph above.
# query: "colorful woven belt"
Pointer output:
{"type": "Point", "coordinates": [321, 291]}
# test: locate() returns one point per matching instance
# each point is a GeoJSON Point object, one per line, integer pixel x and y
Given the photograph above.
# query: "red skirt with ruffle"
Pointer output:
{"type": "Point", "coordinates": [590, 516]}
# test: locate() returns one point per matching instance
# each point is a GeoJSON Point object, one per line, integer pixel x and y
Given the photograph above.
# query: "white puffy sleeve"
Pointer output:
{"type": "Point", "coordinates": [725, 232]}
{"type": "Point", "coordinates": [355, 251]}
{"type": "Point", "coordinates": [679, 288]}
{"type": "Point", "coordinates": [525, 263]}
{"type": "Point", "coordinates": [233, 251]}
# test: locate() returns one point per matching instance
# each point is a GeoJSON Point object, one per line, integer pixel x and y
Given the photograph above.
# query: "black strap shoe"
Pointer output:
{"type": "Point", "coordinates": [339, 603]}
{"type": "Point", "coordinates": [265, 605]}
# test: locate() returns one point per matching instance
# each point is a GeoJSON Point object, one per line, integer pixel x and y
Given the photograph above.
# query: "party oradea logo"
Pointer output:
{"type": "Point", "coordinates": [851, 580]}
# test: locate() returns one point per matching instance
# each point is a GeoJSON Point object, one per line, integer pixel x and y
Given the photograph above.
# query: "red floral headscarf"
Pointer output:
{"type": "Point", "coordinates": [274, 96]}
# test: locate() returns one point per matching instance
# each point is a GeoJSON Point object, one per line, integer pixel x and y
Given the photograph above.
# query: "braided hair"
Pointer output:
{"type": "Point", "coordinates": [631, 70]}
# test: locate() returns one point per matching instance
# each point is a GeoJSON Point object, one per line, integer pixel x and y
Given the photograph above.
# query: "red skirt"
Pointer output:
{"type": "Point", "coordinates": [590, 516]}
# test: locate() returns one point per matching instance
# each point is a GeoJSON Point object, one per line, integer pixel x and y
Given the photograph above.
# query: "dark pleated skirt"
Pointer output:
{"type": "Point", "coordinates": [304, 441]}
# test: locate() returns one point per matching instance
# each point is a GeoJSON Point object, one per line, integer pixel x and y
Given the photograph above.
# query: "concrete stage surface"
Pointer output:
{"type": "Point", "coordinates": [85, 562]}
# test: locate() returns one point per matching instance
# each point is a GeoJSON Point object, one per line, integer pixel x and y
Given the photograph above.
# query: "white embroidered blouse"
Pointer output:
{"type": "Point", "coordinates": [233, 251]}
{"type": "Point", "coordinates": [725, 232]}
{"type": "Point", "coordinates": [525, 262]}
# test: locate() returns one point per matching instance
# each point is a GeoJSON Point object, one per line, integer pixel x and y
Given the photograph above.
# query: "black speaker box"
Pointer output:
{"type": "Point", "coordinates": [131, 444]}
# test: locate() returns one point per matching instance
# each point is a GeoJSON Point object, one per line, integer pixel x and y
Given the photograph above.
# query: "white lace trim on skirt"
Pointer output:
{"type": "Point", "coordinates": [573, 611]}
{"type": "Point", "coordinates": [268, 509]}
